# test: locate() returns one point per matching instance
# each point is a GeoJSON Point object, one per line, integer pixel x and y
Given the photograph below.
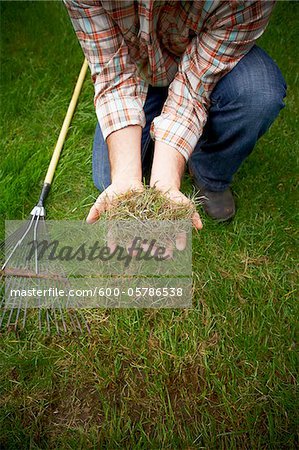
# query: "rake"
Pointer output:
{"type": "Point", "coordinates": [13, 310]}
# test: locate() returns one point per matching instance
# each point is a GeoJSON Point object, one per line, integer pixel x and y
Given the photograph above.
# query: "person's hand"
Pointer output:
{"type": "Point", "coordinates": [167, 171]}
{"type": "Point", "coordinates": [124, 148]}
{"type": "Point", "coordinates": [105, 199]}
{"type": "Point", "coordinates": [176, 196]}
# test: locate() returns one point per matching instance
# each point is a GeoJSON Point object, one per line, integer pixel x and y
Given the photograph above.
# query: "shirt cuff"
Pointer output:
{"type": "Point", "coordinates": [117, 112]}
{"type": "Point", "coordinates": [176, 131]}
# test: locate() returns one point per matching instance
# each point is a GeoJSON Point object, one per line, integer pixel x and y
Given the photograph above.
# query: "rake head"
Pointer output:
{"type": "Point", "coordinates": [29, 288]}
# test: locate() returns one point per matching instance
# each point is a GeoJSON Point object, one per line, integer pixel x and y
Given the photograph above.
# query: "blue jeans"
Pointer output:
{"type": "Point", "coordinates": [244, 104]}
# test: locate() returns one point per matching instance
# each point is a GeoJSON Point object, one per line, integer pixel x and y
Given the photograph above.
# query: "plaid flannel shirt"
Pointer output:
{"type": "Point", "coordinates": [188, 45]}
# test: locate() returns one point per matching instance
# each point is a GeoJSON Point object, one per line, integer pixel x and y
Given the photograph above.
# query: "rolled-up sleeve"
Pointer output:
{"type": "Point", "coordinates": [119, 92]}
{"type": "Point", "coordinates": [229, 32]}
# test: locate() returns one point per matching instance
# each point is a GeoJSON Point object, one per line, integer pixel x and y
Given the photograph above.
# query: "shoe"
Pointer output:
{"type": "Point", "coordinates": [219, 206]}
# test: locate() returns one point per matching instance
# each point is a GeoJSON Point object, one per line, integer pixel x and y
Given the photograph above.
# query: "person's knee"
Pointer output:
{"type": "Point", "coordinates": [266, 95]}
{"type": "Point", "coordinates": [256, 85]}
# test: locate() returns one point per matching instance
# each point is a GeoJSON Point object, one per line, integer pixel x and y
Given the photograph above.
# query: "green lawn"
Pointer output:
{"type": "Point", "coordinates": [219, 376]}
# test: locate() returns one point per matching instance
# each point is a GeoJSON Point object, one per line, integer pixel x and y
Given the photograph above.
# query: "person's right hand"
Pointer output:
{"type": "Point", "coordinates": [105, 199]}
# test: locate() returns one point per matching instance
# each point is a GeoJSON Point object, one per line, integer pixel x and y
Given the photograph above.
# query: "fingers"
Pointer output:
{"type": "Point", "coordinates": [181, 241]}
{"type": "Point", "coordinates": [168, 254]}
{"type": "Point", "coordinates": [101, 205]}
{"type": "Point", "coordinates": [178, 197]}
{"type": "Point", "coordinates": [111, 240]}
{"type": "Point", "coordinates": [93, 215]}
{"type": "Point", "coordinates": [196, 222]}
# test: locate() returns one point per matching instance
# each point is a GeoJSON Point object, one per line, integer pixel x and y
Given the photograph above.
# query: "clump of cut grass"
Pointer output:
{"type": "Point", "coordinates": [149, 204]}
{"type": "Point", "coordinates": [151, 214]}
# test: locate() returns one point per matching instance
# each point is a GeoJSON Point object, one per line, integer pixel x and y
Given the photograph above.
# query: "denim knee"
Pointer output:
{"type": "Point", "coordinates": [266, 98]}
{"type": "Point", "coordinates": [256, 85]}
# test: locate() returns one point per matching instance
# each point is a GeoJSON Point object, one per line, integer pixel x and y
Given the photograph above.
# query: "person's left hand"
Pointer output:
{"type": "Point", "coordinates": [167, 170]}
{"type": "Point", "coordinates": [176, 196]}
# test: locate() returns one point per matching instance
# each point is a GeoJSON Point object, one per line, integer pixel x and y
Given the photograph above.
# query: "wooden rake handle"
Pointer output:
{"type": "Point", "coordinates": [65, 125]}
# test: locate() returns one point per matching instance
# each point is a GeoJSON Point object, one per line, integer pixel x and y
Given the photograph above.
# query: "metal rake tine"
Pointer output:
{"type": "Point", "coordinates": [70, 315]}
{"type": "Point", "coordinates": [17, 233]}
{"type": "Point", "coordinates": [55, 321]}
{"type": "Point", "coordinates": [42, 266]}
{"type": "Point", "coordinates": [17, 315]}
{"type": "Point", "coordinates": [11, 283]}
{"type": "Point", "coordinates": [39, 315]}
{"type": "Point", "coordinates": [48, 321]}
{"type": "Point", "coordinates": [75, 315]}
{"type": "Point", "coordinates": [2, 277]}
{"type": "Point", "coordinates": [46, 313]}
{"type": "Point", "coordinates": [3, 315]}
{"type": "Point", "coordinates": [62, 319]}
{"type": "Point", "coordinates": [21, 286]}
{"type": "Point", "coordinates": [61, 312]}
{"type": "Point", "coordinates": [35, 242]}
{"type": "Point", "coordinates": [3, 298]}
{"type": "Point", "coordinates": [81, 314]}
{"type": "Point", "coordinates": [54, 306]}
{"type": "Point", "coordinates": [18, 243]}
{"type": "Point", "coordinates": [5, 308]}
{"type": "Point", "coordinates": [9, 242]}
{"type": "Point", "coordinates": [78, 322]}
{"type": "Point", "coordinates": [10, 314]}
{"type": "Point", "coordinates": [18, 310]}
{"type": "Point", "coordinates": [25, 314]}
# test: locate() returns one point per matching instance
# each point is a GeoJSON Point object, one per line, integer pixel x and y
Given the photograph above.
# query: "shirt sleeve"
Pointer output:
{"type": "Point", "coordinates": [228, 34]}
{"type": "Point", "coordinates": [119, 92]}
